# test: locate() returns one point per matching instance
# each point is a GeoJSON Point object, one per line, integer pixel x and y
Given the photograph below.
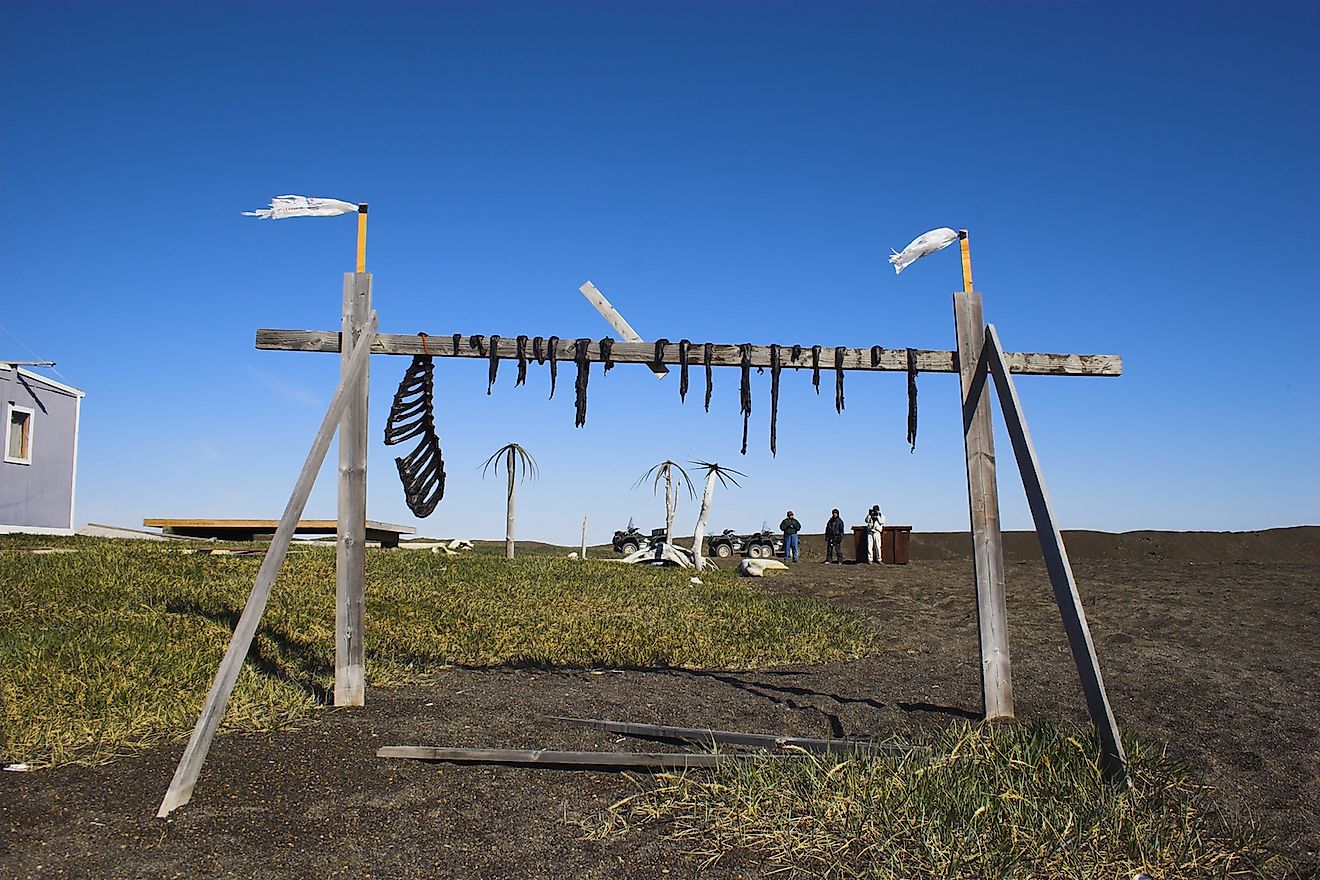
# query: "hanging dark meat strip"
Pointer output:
{"type": "Point", "coordinates": [683, 346]}
{"type": "Point", "coordinates": [797, 354]}
{"type": "Point", "coordinates": [607, 353]}
{"type": "Point", "coordinates": [838, 378]}
{"type": "Point", "coordinates": [538, 349]}
{"type": "Point", "coordinates": [478, 343]}
{"type": "Point", "coordinates": [876, 351]}
{"type": "Point", "coordinates": [522, 361]}
{"type": "Point", "coordinates": [580, 352]}
{"type": "Point", "coordinates": [707, 353]}
{"type": "Point", "coordinates": [494, 362]}
{"type": "Point", "coordinates": [458, 337]}
{"type": "Point", "coordinates": [815, 367]}
{"type": "Point", "coordinates": [745, 390]}
{"type": "Point", "coordinates": [660, 346]}
{"type": "Point", "coordinates": [912, 399]}
{"type": "Point", "coordinates": [412, 414]}
{"type": "Point", "coordinates": [553, 342]}
{"type": "Point", "coordinates": [775, 366]}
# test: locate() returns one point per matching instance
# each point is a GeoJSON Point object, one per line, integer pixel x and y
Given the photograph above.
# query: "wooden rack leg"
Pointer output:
{"type": "Point", "coordinates": [190, 765]}
{"type": "Point", "coordinates": [983, 499]}
{"type": "Point", "coordinates": [1056, 561]}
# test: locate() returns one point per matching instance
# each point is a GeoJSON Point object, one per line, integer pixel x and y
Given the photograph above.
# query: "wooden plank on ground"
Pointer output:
{"type": "Point", "coordinates": [304, 526]}
{"type": "Point", "coordinates": [1056, 562]}
{"type": "Point", "coordinates": [724, 354]}
{"type": "Point", "coordinates": [554, 758]}
{"type": "Point", "coordinates": [194, 755]}
{"type": "Point", "coordinates": [983, 501]}
{"type": "Point", "coordinates": [710, 737]}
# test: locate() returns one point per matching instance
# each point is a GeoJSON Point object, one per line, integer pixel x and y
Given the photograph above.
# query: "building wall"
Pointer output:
{"type": "Point", "coordinates": [39, 496]}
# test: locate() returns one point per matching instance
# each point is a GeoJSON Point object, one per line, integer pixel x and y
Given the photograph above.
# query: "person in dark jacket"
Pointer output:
{"type": "Point", "coordinates": [790, 527]}
{"type": "Point", "coordinates": [834, 538]}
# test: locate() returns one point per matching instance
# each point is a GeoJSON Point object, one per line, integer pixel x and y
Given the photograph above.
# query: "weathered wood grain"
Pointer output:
{"type": "Point", "coordinates": [983, 500]}
{"type": "Point", "coordinates": [725, 354]}
{"type": "Point", "coordinates": [351, 547]}
{"type": "Point", "coordinates": [1056, 562]}
{"type": "Point", "coordinates": [553, 758]}
{"type": "Point", "coordinates": [194, 755]}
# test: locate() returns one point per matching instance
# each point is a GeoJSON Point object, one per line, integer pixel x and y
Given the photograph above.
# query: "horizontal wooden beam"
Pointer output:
{"type": "Point", "coordinates": [723, 355]}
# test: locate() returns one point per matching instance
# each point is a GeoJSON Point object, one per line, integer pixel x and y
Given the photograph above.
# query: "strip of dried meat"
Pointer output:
{"type": "Point", "coordinates": [775, 366]}
{"type": "Point", "coordinates": [707, 353]}
{"type": "Point", "coordinates": [876, 352]}
{"type": "Point", "coordinates": [745, 391]}
{"type": "Point", "coordinates": [538, 349]}
{"type": "Point", "coordinates": [815, 367]}
{"type": "Point", "coordinates": [838, 378]}
{"type": "Point", "coordinates": [553, 344]}
{"type": "Point", "coordinates": [494, 362]}
{"type": "Point", "coordinates": [683, 346]}
{"type": "Point", "coordinates": [580, 352]}
{"type": "Point", "coordinates": [912, 399]}
{"type": "Point", "coordinates": [522, 361]}
{"type": "Point", "coordinates": [607, 353]}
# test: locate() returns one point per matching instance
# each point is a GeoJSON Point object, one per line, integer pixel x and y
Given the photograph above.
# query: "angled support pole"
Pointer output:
{"type": "Point", "coordinates": [983, 501]}
{"type": "Point", "coordinates": [1114, 759]}
{"type": "Point", "coordinates": [190, 765]}
{"type": "Point", "coordinates": [350, 549]}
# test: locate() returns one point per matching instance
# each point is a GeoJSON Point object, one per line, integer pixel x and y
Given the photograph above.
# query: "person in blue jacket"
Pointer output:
{"type": "Point", "coordinates": [790, 527]}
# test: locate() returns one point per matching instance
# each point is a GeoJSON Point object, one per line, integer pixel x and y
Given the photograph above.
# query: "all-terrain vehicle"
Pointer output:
{"type": "Point", "coordinates": [759, 545]}
{"type": "Point", "coordinates": [631, 539]}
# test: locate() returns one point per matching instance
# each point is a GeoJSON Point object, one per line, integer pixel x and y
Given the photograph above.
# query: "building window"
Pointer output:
{"type": "Point", "coordinates": [18, 435]}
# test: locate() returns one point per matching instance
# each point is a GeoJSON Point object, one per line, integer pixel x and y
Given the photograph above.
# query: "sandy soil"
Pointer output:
{"type": "Point", "coordinates": [1208, 643]}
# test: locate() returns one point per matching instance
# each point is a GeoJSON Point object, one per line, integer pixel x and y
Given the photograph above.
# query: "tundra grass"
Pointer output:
{"type": "Point", "coordinates": [984, 801]}
{"type": "Point", "coordinates": [114, 646]}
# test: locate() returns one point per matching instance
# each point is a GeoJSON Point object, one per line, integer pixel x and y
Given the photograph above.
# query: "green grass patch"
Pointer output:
{"type": "Point", "coordinates": [114, 646]}
{"type": "Point", "coordinates": [985, 801]}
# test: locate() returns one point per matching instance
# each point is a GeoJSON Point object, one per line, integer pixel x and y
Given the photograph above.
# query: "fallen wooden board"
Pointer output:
{"type": "Point", "coordinates": [707, 736]}
{"type": "Point", "coordinates": [553, 758]}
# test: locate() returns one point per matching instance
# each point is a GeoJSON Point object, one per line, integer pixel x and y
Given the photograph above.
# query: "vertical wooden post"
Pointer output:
{"type": "Point", "coordinates": [983, 500]}
{"type": "Point", "coordinates": [1114, 759]}
{"type": "Point", "coordinates": [190, 765]}
{"type": "Point", "coordinates": [350, 556]}
{"type": "Point", "coordinates": [508, 524]}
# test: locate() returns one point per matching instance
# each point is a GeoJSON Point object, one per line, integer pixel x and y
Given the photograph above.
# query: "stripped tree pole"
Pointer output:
{"type": "Point", "coordinates": [519, 465]}
{"type": "Point", "coordinates": [673, 483]}
{"type": "Point", "coordinates": [725, 476]}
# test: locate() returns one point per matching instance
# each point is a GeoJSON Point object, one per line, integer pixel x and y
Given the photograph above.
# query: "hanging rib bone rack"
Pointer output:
{"type": "Point", "coordinates": [412, 414]}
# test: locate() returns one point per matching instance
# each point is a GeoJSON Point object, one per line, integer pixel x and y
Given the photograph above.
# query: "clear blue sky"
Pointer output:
{"type": "Point", "coordinates": [1138, 178]}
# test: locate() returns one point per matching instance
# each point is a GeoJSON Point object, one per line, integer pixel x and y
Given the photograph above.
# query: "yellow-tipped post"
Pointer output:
{"type": "Point", "coordinates": [362, 238]}
{"type": "Point", "coordinates": [963, 245]}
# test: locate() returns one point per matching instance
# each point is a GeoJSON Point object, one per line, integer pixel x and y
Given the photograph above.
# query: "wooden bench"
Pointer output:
{"type": "Point", "coordinates": [263, 529]}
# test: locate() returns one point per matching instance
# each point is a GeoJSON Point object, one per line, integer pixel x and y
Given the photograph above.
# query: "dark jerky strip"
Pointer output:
{"type": "Point", "coordinates": [494, 362]}
{"type": "Point", "coordinates": [683, 346]}
{"type": "Point", "coordinates": [775, 366]}
{"type": "Point", "coordinates": [554, 359]}
{"type": "Point", "coordinates": [838, 378]}
{"type": "Point", "coordinates": [458, 337]}
{"type": "Point", "coordinates": [479, 343]}
{"type": "Point", "coordinates": [912, 398]}
{"type": "Point", "coordinates": [522, 361]}
{"type": "Point", "coordinates": [607, 353]}
{"type": "Point", "coordinates": [583, 374]}
{"type": "Point", "coordinates": [797, 354]}
{"type": "Point", "coordinates": [815, 367]}
{"type": "Point", "coordinates": [707, 353]}
{"type": "Point", "coordinates": [876, 351]}
{"type": "Point", "coordinates": [745, 390]}
{"type": "Point", "coordinates": [538, 349]}
{"type": "Point", "coordinates": [660, 346]}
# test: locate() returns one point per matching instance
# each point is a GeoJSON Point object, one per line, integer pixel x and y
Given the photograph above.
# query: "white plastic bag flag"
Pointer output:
{"type": "Point", "coordinates": [302, 206]}
{"type": "Point", "coordinates": [922, 246]}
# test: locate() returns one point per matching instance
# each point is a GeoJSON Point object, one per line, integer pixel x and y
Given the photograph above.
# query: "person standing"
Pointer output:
{"type": "Point", "coordinates": [790, 527]}
{"type": "Point", "coordinates": [875, 526]}
{"type": "Point", "coordinates": [834, 538]}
